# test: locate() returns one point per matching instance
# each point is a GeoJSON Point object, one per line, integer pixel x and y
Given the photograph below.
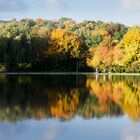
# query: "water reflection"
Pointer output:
{"type": "Point", "coordinates": [64, 97]}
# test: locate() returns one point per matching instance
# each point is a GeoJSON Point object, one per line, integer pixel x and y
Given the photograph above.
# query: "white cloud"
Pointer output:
{"type": "Point", "coordinates": [57, 4]}
{"type": "Point", "coordinates": [52, 133]}
{"type": "Point", "coordinates": [131, 4]}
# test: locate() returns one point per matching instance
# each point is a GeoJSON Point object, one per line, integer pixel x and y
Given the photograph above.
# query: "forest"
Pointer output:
{"type": "Point", "coordinates": [66, 46]}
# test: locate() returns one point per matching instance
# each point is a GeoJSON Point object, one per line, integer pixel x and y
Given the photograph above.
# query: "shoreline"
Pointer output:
{"type": "Point", "coordinates": [68, 73]}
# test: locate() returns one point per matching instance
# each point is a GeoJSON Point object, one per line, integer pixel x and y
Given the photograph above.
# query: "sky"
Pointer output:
{"type": "Point", "coordinates": [122, 11]}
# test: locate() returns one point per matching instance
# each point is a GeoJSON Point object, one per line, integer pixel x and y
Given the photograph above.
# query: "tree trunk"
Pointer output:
{"type": "Point", "coordinates": [77, 66]}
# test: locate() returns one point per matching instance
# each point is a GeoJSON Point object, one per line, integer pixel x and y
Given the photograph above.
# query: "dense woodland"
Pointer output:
{"type": "Point", "coordinates": [64, 45]}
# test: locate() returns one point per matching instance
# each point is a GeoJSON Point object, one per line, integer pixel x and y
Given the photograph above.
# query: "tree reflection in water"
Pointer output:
{"type": "Point", "coordinates": [64, 97]}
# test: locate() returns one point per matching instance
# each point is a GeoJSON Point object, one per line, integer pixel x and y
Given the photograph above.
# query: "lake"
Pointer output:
{"type": "Point", "coordinates": [69, 107]}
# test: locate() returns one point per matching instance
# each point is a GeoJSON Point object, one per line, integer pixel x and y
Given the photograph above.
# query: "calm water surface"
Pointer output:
{"type": "Point", "coordinates": [69, 107]}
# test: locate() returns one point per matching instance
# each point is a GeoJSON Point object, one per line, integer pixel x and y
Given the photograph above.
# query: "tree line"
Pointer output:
{"type": "Point", "coordinates": [64, 45]}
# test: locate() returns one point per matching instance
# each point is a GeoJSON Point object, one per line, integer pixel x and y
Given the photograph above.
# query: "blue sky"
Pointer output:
{"type": "Point", "coordinates": [123, 11]}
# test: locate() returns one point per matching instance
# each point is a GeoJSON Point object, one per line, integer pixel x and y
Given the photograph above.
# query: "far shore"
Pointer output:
{"type": "Point", "coordinates": [66, 73]}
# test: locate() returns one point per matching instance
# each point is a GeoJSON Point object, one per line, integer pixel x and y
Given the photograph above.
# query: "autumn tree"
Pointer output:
{"type": "Point", "coordinates": [64, 45]}
{"type": "Point", "coordinates": [128, 50]}
{"type": "Point", "coordinates": [66, 42]}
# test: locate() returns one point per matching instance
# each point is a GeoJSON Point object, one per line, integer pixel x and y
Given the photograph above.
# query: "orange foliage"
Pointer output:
{"type": "Point", "coordinates": [118, 93]}
{"type": "Point", "coordinates": [39, 20]}
{"type": "Point", "coordinates": [65, 106]}
{"type": "Point", "coordinates": [103, 55]}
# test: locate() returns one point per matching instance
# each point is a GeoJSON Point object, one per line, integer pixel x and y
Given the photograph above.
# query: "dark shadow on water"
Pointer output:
{"type": "Point", "coordinates": [66, 96]}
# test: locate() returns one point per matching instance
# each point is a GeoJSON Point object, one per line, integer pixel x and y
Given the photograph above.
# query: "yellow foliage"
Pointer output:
{"type": "Point", "coordinates": [69, 24]}
{"type": "Point", "coordinates": [65, 41]}
{"type": "Point", "coordinates": [101, 32]}
{"type": "Point", "coordinates": [120, 93]}
{"type": "Point", "coordinates": [130, 46]}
